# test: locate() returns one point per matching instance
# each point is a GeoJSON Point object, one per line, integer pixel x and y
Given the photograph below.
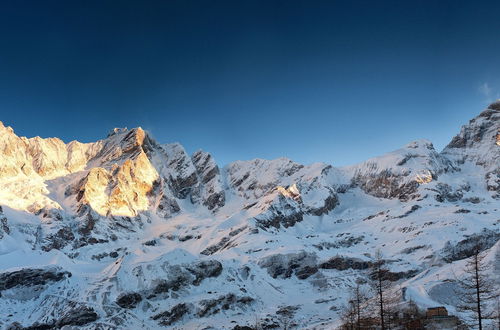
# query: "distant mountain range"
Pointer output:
{"type": "Point", "coordinates": [128, 233]}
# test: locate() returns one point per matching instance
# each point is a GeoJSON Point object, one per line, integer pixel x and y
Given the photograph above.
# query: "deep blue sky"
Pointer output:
{"type": "Point", "coordinates": [333, 81]}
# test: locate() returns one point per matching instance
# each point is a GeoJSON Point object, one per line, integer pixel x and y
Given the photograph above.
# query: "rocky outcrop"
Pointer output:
{"type": "Point", "coordinates": [181, 276]}
{"type": "Point", "coordinates": [74, 317]}
{"type": "Point", "coordinates": [493, 183]}
{"type": "Point", "coordinates": [205, 308]}
{"type": "Point", "coordinates": [59, 240]}
{"type": "Point", "coordinates": [231, 301]}
{"type": "Point", "coordinates": [128, 300]}
{"type": "Point", "coordinates": [328, 204]}
{"type": "Point", "coordinates": [479, 141]}
{"type": "Point", "coordinates": [283, 211]}
{"type": "Point", "coordinates": [31, 277]}
{"type": "Point", "coordinates": [182, 177]}
{"type": "Point", "coordinates": [445, 193]}
{"type": "Point", "coordinates": [400, 173]}
{"type": "Point", "coordinates": [466, 247]}
{"type": "Point", "coordinates": [225, 242]}
{"type": "Point", "coordinates": [301, 264]}
{"type": "Point", "coordinates": [79, 316]}
{"type": "Point", "coordinates": [4, 226]}
{"type": "Point", "coordinates": [246, 178]}
{"type": "Point", "coordinates": [344, 263]}
{"type": "Point", "coordinates": [173, 315]}
{"type": "Point", "coordinates": [211, 190]}
{"type": "Point", "coordinates": [123, 190]}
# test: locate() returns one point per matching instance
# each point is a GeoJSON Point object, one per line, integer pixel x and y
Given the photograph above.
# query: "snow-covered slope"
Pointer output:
{"type": "Point", "coordinates": [127, 233]}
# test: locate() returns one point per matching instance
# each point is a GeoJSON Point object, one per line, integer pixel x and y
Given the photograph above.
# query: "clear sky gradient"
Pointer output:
{"type": "Point", "coordinates": [331, 81]}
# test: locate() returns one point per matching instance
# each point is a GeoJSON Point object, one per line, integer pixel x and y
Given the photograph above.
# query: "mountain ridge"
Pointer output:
{"type": "Point", "coordinates": [154, 236]}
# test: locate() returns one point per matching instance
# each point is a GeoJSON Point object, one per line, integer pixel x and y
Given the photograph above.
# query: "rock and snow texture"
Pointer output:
{"type": "Point", "coordinates": [127, 233]}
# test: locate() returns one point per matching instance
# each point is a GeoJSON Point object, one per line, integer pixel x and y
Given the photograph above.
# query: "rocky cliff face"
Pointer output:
{"type": "Point", "coordinates": [399, 174]}
{"type": "Point", "coordinates": [145, 234]}
{"type": "Point", "coordinates": [478, 144]}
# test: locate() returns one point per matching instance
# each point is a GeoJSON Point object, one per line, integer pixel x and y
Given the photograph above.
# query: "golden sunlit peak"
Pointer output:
{"type": "Point", "coordinates": [424, 177]}
{"type": "Point", "coordinates": [291, 192]}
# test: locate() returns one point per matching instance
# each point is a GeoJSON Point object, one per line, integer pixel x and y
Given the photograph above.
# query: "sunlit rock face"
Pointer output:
{"type": "Point", "coordinates": [122, 183]}
{"type": "Point", "coordinates": [123, 175]}
{"type": "Point", "coordinates": [121, 191]}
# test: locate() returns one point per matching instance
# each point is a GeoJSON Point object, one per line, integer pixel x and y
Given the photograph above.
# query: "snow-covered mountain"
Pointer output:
{"type": "Point", "coordinates": [128, 233]}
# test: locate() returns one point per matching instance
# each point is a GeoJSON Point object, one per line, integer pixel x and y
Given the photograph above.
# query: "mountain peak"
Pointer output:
{"type": "Point", "coordinates": [117, 130]}
{"type": "Point", "coordinates": [421, 143]}
{"type": "Point", "coordinates": [495, 105]}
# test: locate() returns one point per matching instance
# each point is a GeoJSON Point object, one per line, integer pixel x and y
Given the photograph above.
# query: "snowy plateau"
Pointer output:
{"type": "Point", "coordinates": [128, 233]}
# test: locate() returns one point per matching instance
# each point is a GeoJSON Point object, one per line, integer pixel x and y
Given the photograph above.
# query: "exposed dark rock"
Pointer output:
{"type": "Point", "coordinates": [224, 243]}
{"type": "Point", "coordinates": [346, 242]}
{"type": "Point", "coordinates": [343, 263]}
{"type": "Point", "coordinates": [215, 200]}
{"type": "Point", "coordinates": [212, 194]}
{"type": "Point", "coordinates": [78, 317]}
{"type": "Point", "coordinates": [128, 300]}
{"type": "Point", "coordinates": [183, 178]}
{"type": "Point", "coordinates": [34, 326]}
{"type": "Point", "coordinates": [180, 276]}
{"type": "Point", "coordinates": [173, 315]}
{"type": "Point", "coordinates": [100, 256]}
{"type": "Point", "coordinates": [31, 277]}
{"type": "Point", "coordinates": [59, 240]}
{"type": "Point", "coordinates": [466, 247]}
{"type": "Point", "coordinates": [476, 129]}
{"type": "Point", "coordinates": [89, 221]}
{"type": "Point", "coordinates": [237, 231]}
{"type": "Point", "coordinates": [152, 242]}
{"type": "Point", "coordinates": [396, 276]}
{"type": "Point", "coordinates": [284, 212]}
{"type": "Point", "coordinates": [113, 254]}
{"type": "Point", "coordinates": [301, 264]}
{"type": "Point", "coordinates": [4, 227]}
{"type": "Point", "coordinates": [472, 200]}
{"type": "Point", "coordinates": [494, 106]}
{"type": "Point", "coordinates": [287, 311]}
{"type": "Point", "coordinates": [229, 301]}
{"type": "Point", "coordinates": [493, 180]}
{"type": "Point", "coordinates": [205, 268]}
{"type": "Point", "coordinates": [386, 184]}
{"type": "Point", "coordinates": [413, 249]}
{"type": "Point", "coordinates": [185, 238]}
{"type": "Point", "coordinates": [51, 213]}
{"type": "Point", "coordinates": [167, 206]}
{"type": "Point", "coordinates": [410, 211]}
{"type": "Point", "coordinates": [205, 166]}
{"type": "Point", "coordinates": [329, 204]}
{"type": "Point", "coordinates": [304, 272]}
{"type": "Point", "coordinates": [14, 326]}
{"type": "Point", "coordinates": [177, 279]}
{"type": "Point", "coordinates": [446, 193]}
